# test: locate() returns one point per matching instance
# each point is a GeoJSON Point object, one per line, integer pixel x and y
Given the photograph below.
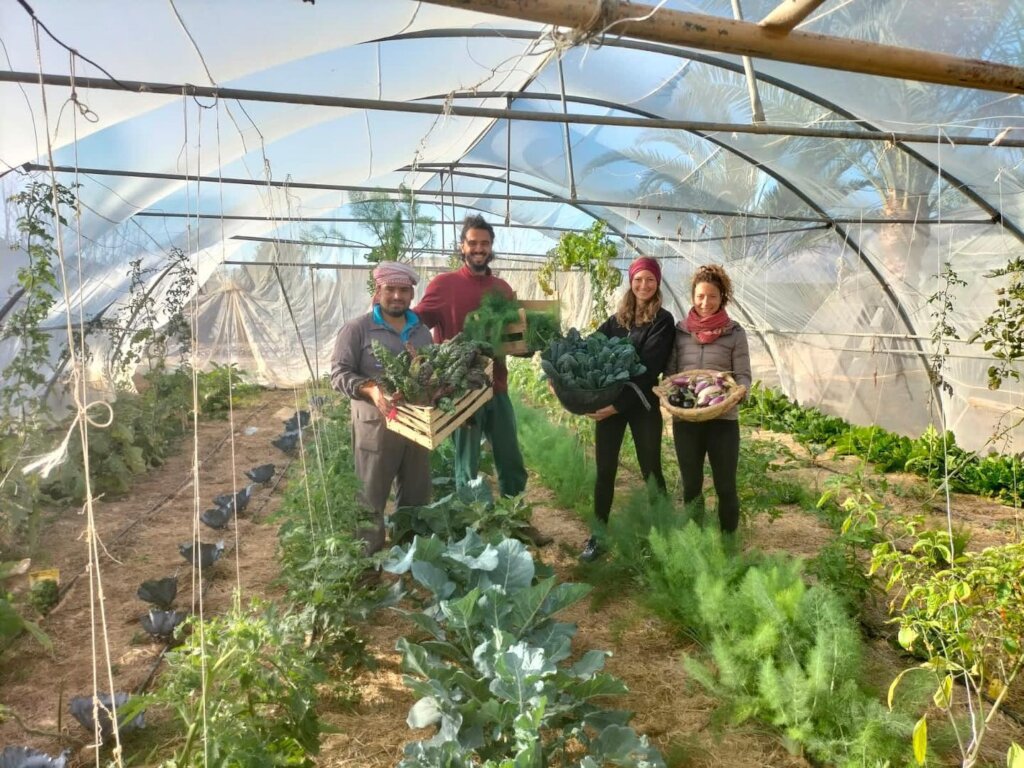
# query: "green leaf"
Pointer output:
{"type": "Point", "coordinates": [591, 663]}
{"type": "Point", "coordinates": [601, 684]}
{"type": "Point", "coordinates": [425, 622]}
{"type": "Point", "coordinates": [892, 686]}
{"type": "Point", "coordinates": [618, 745]}
{"type": "Point", "coordinates": [462, 612]}
{"type": "Point", "coordinates": [414, 658]}
{"type": "Point", "coordinates": [921, 740]}
{"type": "Point", "coordinates": [1015, 756]}
{"type": "Point", "coordinates": [906, 637]}
{"type": "Point", "coordinates": [556, 640]}
{"type": "Point", "coordinates": [518, 671]}
{"type": "Point", "coordinates": [423, 713]}
{"type": "Point", "coordinates": [944, 693]}
{"type": "Point", "coordinates": [514, 567]}
{"type": "Point", "coordinates": [433, 578]}
{"type": "Point", "coordinates": [563, 596]}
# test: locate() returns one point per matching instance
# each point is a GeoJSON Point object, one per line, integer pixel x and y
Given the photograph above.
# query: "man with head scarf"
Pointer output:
{"type": "Point", "coordinates": [446, 302]}
{"type": "Point", "coordinates": [382, 458]}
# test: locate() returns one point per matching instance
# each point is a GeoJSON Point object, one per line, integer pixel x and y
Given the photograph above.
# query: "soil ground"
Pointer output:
{"type": "Point", "coordinates": [138, 539]}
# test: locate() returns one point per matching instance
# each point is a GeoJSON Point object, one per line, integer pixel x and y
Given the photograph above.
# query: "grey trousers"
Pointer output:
{"type": "Point", "coordinates": [384, 459]}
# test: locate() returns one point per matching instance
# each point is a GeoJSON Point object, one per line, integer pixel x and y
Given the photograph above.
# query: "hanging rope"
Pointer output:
{"type": "Point", "coordinates": [97, 601]}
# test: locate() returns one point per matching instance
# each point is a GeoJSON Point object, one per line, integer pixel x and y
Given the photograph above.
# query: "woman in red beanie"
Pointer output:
{"type": "Point", "coordinates": [651, 329]}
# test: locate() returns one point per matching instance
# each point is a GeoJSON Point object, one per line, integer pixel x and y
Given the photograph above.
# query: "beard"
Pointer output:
{"type": "Point", "coordinates": [478, 269]}
{"type": "Point", "coordinates": [394, 310]}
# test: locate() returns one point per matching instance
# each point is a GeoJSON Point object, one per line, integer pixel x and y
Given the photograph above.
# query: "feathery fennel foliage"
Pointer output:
{"type": "Point", "coordinates": [779, 650]}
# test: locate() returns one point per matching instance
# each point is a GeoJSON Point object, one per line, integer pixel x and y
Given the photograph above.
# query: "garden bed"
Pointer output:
{"type": "Point", "coordinates": [676, 715]}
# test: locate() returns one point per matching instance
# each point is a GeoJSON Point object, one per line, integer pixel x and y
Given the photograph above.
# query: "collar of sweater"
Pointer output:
{"type": "Point", "coordinates": [466, 272]}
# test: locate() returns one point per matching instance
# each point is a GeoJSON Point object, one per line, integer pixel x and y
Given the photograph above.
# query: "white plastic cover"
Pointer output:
{"type": "Point", "coordinates": [837, 302]}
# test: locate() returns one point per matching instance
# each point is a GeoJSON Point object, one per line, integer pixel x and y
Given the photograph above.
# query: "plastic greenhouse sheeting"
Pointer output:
{"type": "Point", "coordinates": [834, 244]}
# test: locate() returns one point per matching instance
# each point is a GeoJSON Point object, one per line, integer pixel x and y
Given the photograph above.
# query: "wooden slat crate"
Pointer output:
{"type": "Point", "coordinates": [514, 337]}
{"type": "Point", "coordinates": [430, 427]}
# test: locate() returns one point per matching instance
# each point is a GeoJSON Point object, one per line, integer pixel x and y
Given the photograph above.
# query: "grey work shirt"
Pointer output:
{"type": "Point", "coordinates": [353, 363]}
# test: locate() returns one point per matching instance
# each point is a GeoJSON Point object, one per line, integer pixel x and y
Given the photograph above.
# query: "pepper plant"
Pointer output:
{"type": "Point", "coordinates": [963, 611]}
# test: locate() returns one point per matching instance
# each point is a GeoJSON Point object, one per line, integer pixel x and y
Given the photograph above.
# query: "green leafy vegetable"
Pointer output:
{"type": "Point", "coordinates": [594, 362]}
{"type": "Point", "coordinates": [435, 375]}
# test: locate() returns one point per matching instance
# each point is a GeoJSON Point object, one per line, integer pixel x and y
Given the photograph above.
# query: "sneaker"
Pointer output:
{"type": "Point", "coordinates": [591, 551]}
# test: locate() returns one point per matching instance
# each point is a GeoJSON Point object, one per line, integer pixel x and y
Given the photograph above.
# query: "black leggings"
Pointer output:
{"type": "Point", "coordinates": [646, 428]}
{"type": "Point", "coordinates": [719, 440]}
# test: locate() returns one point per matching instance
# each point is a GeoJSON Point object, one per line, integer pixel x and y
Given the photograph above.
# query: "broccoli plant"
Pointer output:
{"type": "Point", "coordinates": [494, 674]}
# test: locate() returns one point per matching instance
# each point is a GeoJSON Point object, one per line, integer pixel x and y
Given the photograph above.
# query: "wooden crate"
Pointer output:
{"type": "Point", "coordinates": [430, 427]}
{"type": "Point", "coordinates": [514, 337]}
{"type": "Point", "coordinates": [543, 305]}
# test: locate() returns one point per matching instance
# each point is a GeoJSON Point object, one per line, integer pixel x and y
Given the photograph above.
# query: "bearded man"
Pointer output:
{"type": "Point", "coordinates": [446, 302]}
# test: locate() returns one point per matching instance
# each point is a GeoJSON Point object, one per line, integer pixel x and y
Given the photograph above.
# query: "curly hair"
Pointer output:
{"type": "Point", "coordinates": [629, 313]}
{"type": "Point", "coordinates": [716, 275]}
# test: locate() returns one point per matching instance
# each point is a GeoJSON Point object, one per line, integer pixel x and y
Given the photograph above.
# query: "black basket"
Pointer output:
{"type": "Point", "coordinates": [581, 401]}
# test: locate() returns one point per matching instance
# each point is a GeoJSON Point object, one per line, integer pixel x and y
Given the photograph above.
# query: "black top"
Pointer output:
{"type": "Point", "coordinates": [653, 342]}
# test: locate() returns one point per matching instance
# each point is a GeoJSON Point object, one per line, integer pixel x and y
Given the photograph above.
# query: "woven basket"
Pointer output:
{"type": "Point", "coordinates": [706, 413]}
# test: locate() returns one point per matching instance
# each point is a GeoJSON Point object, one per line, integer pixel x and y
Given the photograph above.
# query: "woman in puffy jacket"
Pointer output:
{"type": "Point", "coordinates": [650, 328]}
{"type": "Point", "coordinates": [709, 338]}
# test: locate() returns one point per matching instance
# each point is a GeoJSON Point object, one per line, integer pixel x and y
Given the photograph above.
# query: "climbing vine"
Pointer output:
{"type": "Point", "coordinates": [41, 206]}
{"type": "Point", "coordinates": [22, 397]}
{"type": "Point", "coordinates": [1002, 333]}
{"type": "Point", "coordinates": [941, 303]}
{"type": "Point", "coordinates": [592, 252]}
{"type": "Point", "coordinates": [137, 334]}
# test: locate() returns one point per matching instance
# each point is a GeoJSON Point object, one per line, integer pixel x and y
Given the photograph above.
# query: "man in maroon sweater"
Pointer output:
{"type": "Point", "coordinates": [446, 302]}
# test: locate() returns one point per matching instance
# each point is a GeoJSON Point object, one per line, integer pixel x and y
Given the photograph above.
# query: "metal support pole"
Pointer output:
{"type": "Point", "coordinates": [421, 108]}
{"type": "Point", "coordinates": [508, 163]}
{"type": "Point", "coordinates": [567, 138]}
{"type": "Point", "coordinates": [554, 199]}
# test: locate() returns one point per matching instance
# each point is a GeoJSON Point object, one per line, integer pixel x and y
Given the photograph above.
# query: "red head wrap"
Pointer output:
{"type": "Point", "coordinates": [646, 264]}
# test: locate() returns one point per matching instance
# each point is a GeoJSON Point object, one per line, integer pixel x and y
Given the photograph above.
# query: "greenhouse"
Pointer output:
{"type": "Point", "coordinates": [203, 201]}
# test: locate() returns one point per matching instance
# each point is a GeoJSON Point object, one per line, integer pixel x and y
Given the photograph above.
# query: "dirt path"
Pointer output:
{"type": "Point", "coordinates": [139, 537]}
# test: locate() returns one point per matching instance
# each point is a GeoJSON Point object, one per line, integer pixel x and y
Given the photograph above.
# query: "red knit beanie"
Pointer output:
{"type": "Point", "coordinates": [645, 263]}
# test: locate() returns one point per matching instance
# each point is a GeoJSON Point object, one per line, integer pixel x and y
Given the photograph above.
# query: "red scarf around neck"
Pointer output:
{"type": "Point", "coordinates": [707, 329]}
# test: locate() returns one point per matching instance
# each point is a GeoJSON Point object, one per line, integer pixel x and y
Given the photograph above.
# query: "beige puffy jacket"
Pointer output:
{"type": "Point", "coordinates": [729, 352]}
